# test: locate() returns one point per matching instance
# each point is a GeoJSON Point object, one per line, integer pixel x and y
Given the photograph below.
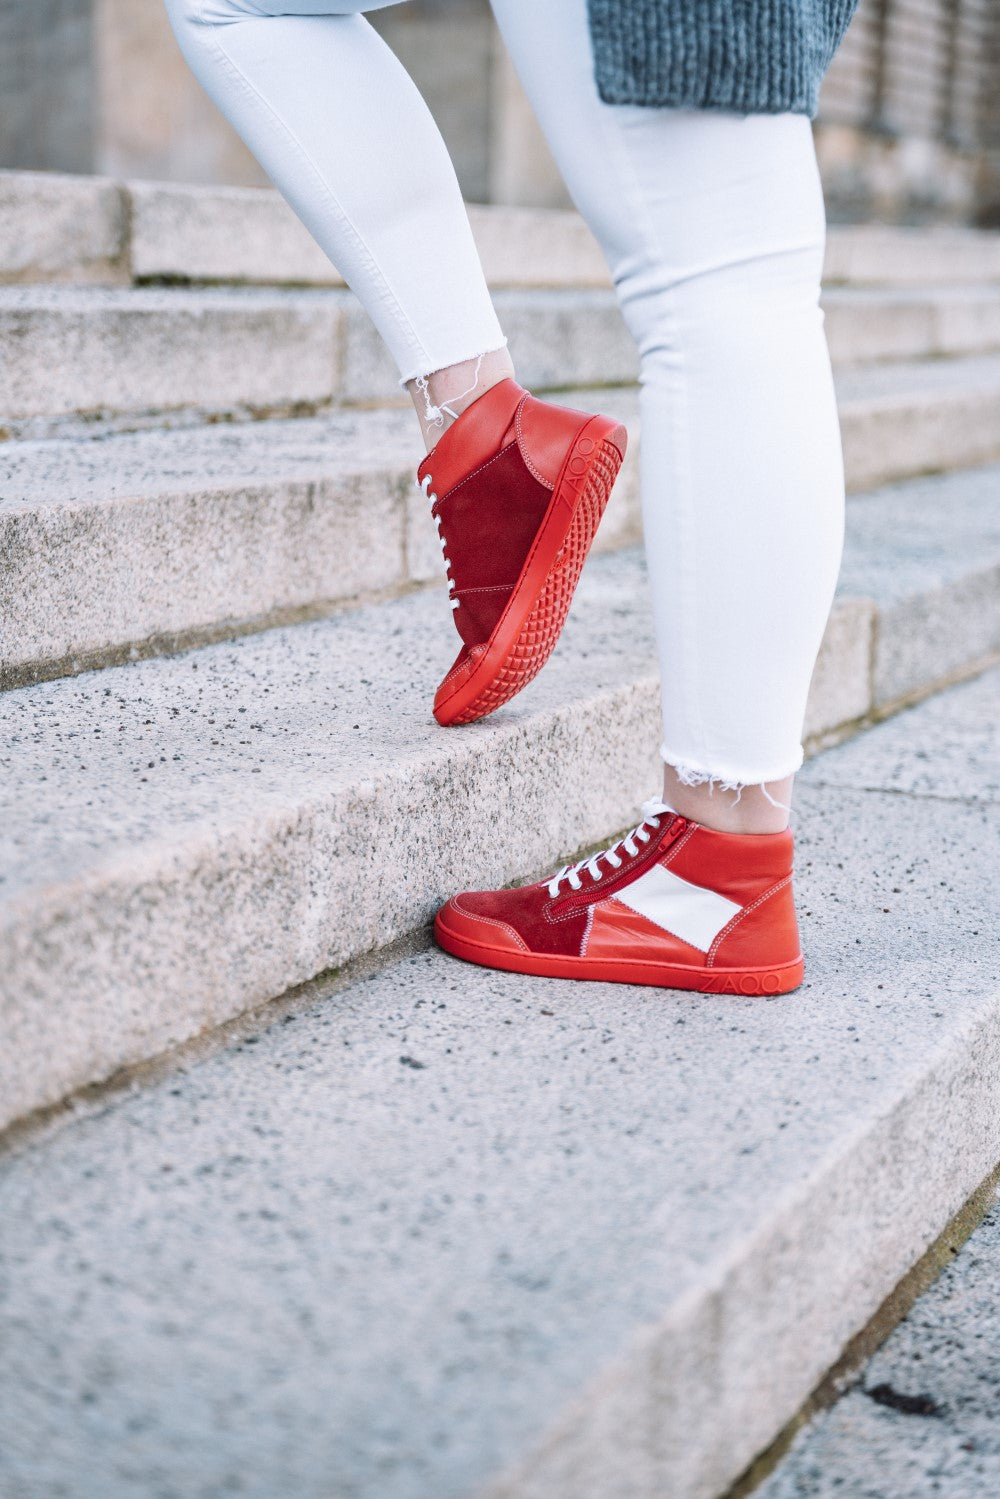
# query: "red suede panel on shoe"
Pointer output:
{"type": "Point", "coordinates": [478, 612]}
{"type": "Point", "coordinates": [489, 523]}
{"type": "Point", "coordinates": [528, 911]}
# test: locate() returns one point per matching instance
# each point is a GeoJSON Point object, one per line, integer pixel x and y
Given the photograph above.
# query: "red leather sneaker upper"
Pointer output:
{"type": "Point", "coordinates": [688, 895]}
{"type": "Point", "coordinates": [488, 522]}
{"type": "Point", "coordinates": [476, 436]}
{"type": "Point", "coordinates": [527, 918]}
{"type": "Point", "coordinates": [491, 477]}
{"type": "Point", "coordinates": [558, 923]}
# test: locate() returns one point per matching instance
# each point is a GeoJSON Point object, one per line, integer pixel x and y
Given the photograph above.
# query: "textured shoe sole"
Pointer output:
{"type": "Point", "coordinates": [779, 978]}
{"type": "Point", "coordinates": [527, 631]}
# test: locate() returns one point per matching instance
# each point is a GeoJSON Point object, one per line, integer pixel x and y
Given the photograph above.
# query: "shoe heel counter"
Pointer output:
{"type": "Point", "coordinates": [545, 434]}
{"type": "Point", "coordinates": [767, 932]}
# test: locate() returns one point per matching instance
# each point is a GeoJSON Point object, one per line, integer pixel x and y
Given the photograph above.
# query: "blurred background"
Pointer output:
{"type": "Point", "coordinates": [908, 130]}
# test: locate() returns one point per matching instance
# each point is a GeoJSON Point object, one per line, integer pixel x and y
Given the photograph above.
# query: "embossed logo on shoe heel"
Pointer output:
{"type": "Point", "coordinates": [746, 983]}
{"type": "Point", "coordinates": [578, 466]}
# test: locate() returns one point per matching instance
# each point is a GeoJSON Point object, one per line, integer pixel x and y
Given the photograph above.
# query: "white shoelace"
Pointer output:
{"type": "Point", "coordinates": [425, 487]}
{"type": "Point", "coordinates": [652, 811]}
{"type": "Point", "coordinates": [434, 415]}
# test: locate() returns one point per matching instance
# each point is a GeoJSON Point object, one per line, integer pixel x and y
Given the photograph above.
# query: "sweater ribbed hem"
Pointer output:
{"type": "Point", "coordinates": [748, 56]}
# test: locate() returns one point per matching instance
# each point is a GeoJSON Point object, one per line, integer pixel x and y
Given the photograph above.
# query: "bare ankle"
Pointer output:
{"type": "Point", "coordinates": [440, 397]}
{"type": "Point", "coordinates": [748, 809]}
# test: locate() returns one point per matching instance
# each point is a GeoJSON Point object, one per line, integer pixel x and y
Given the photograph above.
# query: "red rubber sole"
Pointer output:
{"type": "Point", "coordinates": [527, 631]}
{"type": "Point", "coordinates": [780, 978]}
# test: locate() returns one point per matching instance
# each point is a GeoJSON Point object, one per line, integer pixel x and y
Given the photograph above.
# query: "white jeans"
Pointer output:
{"type": "Point", "coordinates": [713, 226]}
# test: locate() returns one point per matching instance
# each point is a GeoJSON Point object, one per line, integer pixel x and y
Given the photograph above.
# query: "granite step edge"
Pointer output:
{"type": "Point", "coordinates": [675, 1411]}
{"type": "Point", "coordinates": [254, 539]}
{"type": "Point", "coordinates": [247, 871]}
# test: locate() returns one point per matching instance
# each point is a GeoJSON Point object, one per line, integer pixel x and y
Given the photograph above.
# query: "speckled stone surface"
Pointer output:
{"type": "Point", "coordinates": [108, 543]}
{"type": "Point", "coordinates": [921, 1423]}
{"type": "Point", "coordinates": [78, 349]}
{"type": "Point", "coordinates": [841, 691]}
{"type": "Point", "coordinates": [250, 234]}
{"type": "Point", "coordinates": [578, 336]}
{"type": "Point", "coordinates": [72, 349]}
{"type": "Point", "coordinates": [213, 233]}
{"type": "Point", "coordinates": [949, 750]}
{"type": "Point", "coordinates": [929, 553]}
{"type": "Point", "coordinates": [903, 255]}
{"type": "Point", "coordinates": [875, 323]}
{"type": "Point", "coordinates": [56, 226]}
{"type": "Point", "coordinates": [149, 807]}
{"type": "Point", "coordinates": [907, 418]}
{"type": "Point", "coordinates": [292, 792]}
{"type": "Point", "coordinates": [557, 339]}
{"type": "Point", "coordinates": [452, 1224]}
{"type": "Point", "coordinates": [60, 225]}
{"type": "Point", "coordinates": [113, 542]}
{"type": "Point", "coordinates": [85, 350]}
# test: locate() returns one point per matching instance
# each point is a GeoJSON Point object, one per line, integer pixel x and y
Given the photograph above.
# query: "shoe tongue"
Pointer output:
{"type": "Point", "coordinates": [473, 438]}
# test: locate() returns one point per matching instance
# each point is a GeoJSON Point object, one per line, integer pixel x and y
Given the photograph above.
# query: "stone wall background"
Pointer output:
{"type": "Point", "coordinates": [909, 127]}
{"type": "Point", "coordinates": [46, 84]}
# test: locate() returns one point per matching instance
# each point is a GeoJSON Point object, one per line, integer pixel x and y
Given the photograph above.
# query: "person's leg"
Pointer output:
{"type": "Point", "coordinates": [517, 486]}
{"type": "Point", "coordinates": [341, 129]}
{"type": "Point", "coordinates": [713, 226]}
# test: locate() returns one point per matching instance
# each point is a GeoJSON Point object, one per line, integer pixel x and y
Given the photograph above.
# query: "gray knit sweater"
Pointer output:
{"type": "Point", "coordinates": [751, 56]}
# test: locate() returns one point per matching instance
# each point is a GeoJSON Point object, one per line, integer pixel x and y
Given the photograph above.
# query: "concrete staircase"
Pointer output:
{"type": "Point", "coordinates": [220, 628]}
{"type": "Point", "coordinates": [454, 1233]}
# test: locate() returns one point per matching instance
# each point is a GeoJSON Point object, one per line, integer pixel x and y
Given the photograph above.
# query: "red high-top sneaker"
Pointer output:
{"type": "Point", "coordinates": [517, 488]}
{"type": "Point", "coordinates": [673, 903]}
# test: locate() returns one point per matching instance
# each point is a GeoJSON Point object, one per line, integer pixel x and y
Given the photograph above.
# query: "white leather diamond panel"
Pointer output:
{"type": "Point", "coordinates": [695, 915]}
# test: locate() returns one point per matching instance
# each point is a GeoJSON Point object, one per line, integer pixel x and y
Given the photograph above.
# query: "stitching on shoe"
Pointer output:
{"type": "Point", "coordinates": [676, 847]}
{"type": "Point", "coordinates": [504, 926]}
{"type": "Point", "coordinates": [570, 915]}
{"type": "Point", "coordinates": [436, 509]}
{"type": "Point", "coordinates": [468, 662]}
{"type": "Point", "coordinates": [529, 559]}
{"type": "Point", "coordinates": [522, 446]}
{"type": "Point", "coordinates": [735, 920]}
{"type": "Point", "coordinates": [596, 891]}
{"type": "Point", "coordinates": [490, 588]}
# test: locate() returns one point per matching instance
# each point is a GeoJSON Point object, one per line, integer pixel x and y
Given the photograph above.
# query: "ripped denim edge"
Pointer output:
{"type": "Point", "coordinates": [422, 374]}
{"type": "Point", "coordinates": [691, 775]}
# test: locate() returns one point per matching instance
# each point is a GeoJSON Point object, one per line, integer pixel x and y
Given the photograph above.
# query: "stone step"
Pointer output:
{"type": "Point", "coordinates": [893, 255]}
{"type": "Point", "coordinates": [137, 543]}
{"type": "Point", "coordinates": [918, 417]}
{"type": "Point", "coordinates": [472, 1235]}
{"type": "Point", "coordinates": [579, 338]}
{"type": "Point", "coordinates": [93, 352]}
{"type": "Point", "coordinates": [866, 324]}
{"type": "Point", "coordinates": [196, 234]}
{"type": "Point", "coordinates": [290, 790]}
{"type": "Point", "coordinates": [95, 230]}
{"type": "Point", "coordinates": [939, 1366]}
